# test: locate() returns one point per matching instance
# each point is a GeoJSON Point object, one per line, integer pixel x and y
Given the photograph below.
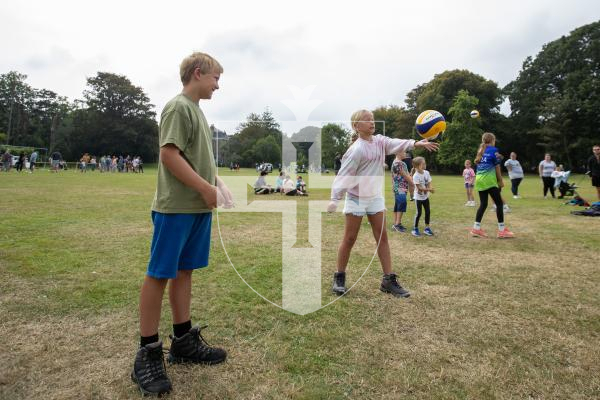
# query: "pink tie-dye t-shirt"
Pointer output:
{"type": "Point", "coordinates": [362, 171]}
{"type": "Point", "coordinates": [469, 175]}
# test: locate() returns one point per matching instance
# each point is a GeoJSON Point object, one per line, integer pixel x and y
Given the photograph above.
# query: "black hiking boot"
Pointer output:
{"type": "Point", "coordinates": [192, 348]}
{"type": "Point", "coordinates": [339, 283]}
{"type": "Point", "coordinates": [389, 284]}
{"type": "Point", "coordinates": [149, 370]}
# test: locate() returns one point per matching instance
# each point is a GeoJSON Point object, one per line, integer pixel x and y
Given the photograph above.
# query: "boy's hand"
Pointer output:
{"type": "Point", "coordinates": [225, 195]}
{"type": "Point", "coordinates": [501, 184]}
{"type": "Point", "coordinates": [427, 145]}
{"type": "Point", "coordinates": [432, 190]}
{"type": "Point", "coordinates": [332, 206]}
{"type": "Point", "coordinates": [212, 198]}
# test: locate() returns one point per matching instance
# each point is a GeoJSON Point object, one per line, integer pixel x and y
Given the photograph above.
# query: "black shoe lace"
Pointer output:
{"type": "Point", "coordinates": [155, 368]}
{"type": "Point", "coordinates": [201, 344]}
{"type": "Point", "coordinates": [394, 281]}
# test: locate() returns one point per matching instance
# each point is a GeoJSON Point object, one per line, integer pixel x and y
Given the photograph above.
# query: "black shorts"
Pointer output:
{"type": "Point", "coordinates": [596, 181]}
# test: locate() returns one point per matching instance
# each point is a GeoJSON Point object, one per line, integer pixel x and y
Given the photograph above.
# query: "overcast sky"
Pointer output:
{"type": "Point", "coordinates": [355, 54]}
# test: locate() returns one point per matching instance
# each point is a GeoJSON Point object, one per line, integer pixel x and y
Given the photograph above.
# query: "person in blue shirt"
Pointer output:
{"type": "Point", "coordinates": [488, 181]}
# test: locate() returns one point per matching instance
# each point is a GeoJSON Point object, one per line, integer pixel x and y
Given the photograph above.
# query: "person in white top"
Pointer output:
{"type": "Point", "coordinates": [546, 167]}
{"type": "Point", "coordinates": [360, 178]}
{"type": "Point", "coordinates": [422, 181]}
{"type": "Point", "coordinates": [515, 173]}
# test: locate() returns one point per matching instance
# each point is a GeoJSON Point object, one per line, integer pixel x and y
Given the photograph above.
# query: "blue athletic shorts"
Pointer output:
{"type": "Point", "coordinates": [400, 204]}
{"type": "Point", "coordinates": [179, 242]}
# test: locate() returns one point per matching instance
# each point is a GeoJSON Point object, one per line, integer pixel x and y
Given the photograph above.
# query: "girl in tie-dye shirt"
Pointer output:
{"type": "Point", "coordinates": [469, 176]}
{"type": "Point", "coordinates": [360, 179]}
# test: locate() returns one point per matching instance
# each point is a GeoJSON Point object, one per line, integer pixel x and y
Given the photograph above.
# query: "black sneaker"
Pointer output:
{"type": "Point", "coordinates": [390, 284]}
{"type": "Point", "coordinates": [149, 370]}
{"type": "Point", "coordinates": [339, 283]}
{"type": "Point", "coordinates": [192, 348]}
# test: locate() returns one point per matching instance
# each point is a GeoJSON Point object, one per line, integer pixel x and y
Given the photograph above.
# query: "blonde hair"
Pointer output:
{"type": "Point", "coordinates": [357, 117]}
{"type": "Point", "coordinates": [417, 161]}
{"type": "Point", "coordinates": [486, 139]}
{"type": "Point", "coordinates": [206, 63]}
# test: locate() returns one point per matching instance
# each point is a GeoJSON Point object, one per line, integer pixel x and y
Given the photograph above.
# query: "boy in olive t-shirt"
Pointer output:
{"type": "Point", "coordinates": [188, 189]}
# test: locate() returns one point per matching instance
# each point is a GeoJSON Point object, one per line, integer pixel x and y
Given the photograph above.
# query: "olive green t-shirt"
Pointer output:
{"type": "Point", "coordinates": [183, 124]}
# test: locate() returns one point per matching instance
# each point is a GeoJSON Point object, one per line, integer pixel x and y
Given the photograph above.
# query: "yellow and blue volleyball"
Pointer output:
{"type": "Point", "coordinates": [474, 114]}
{"type": "Point", "coordinates": [430, 124]}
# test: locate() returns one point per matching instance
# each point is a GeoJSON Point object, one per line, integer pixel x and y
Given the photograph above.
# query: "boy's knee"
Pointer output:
{"type": "Point", "coordinates": [184, 273]}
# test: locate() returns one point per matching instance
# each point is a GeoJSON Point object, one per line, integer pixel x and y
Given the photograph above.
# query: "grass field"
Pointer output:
{"type": "Point", "coordinates": [512, 319]}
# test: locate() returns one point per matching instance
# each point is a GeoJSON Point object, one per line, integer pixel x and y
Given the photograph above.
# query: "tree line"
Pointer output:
{"type": "Point", "coordinates": [115, 117]}
{"type": "Point", "coordinates": [554, 101]}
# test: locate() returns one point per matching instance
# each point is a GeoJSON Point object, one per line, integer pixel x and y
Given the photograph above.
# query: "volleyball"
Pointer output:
{"type": "Point", "coordinates": [474, 114]}
{"type": "Point", "coordinates": [430, 124]}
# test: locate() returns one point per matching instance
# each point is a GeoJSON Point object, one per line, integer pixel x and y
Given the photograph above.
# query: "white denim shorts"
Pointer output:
{"type": "Point", "coordinates": [361, 207]}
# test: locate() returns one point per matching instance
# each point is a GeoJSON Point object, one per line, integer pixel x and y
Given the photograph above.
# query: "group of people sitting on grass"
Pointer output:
{"type": "Point", "coordinates": [283, 185]}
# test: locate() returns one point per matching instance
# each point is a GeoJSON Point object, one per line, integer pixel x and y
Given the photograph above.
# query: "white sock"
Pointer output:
{"type": "Point", "coordinates": [477, 225]}
{"type": "Point", "coordinates": [500, 226]}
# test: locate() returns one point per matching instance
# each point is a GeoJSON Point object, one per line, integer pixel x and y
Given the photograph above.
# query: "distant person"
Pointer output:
{"type": "Point", "coordinates": [55, 159]}
{"type": "Point", "coordinates": [593, 166]}
{"type": "Point", "coordinates": [515, 173]}
{"type": "Point", "coordinates": [6, 160]}
{"type": "Point", "coordinates": [188, 189]}
{"type": "Point", "coordinates": [84, 161]}
{"type": "Point", "coordinates": [422, 182]}
{"type": "Point", "coordinates": [261, 186]}
{"type": "Point", "coordinates": [401, 181]}
{"type": "Point", "coordinates": [408, 161]}
{"type": "Point", "coordinates": [488, 182]}
{"type": "Point", "coordinates": [279, 183]}
{"type": "Point", "coordinates": [337, 163]}
{"type": "Point", "coordinates": [545, 169]}
{"type": "Point", "coordinates": [32, 160]}
{"type": "Point", "coordinates": [469, 178]}
{"type": "Point", "coordinates": [300, 184]}
{"type": "Point", "coordinates": [20, 161]}
{"type": "Point", "coordinates": [289, 187]}
{"type": "Point", "coordinates": [561, 178]}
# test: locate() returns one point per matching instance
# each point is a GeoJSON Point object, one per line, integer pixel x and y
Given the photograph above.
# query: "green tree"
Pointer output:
{"type": "Point", "coordinates": [394, 121]}
{"type": "Point", "coordinates": [267, 149]}
{"type": "Point", "coordinates": [334, 140]}
{"type": "Point", "coordinates": [249, 132]}
{"type": "Point", "coordinates": [115, 95]}
{"type": "Point", "coordinates": [16, 97]}
{"type": "Point", "coordinates": [48, 111]}
{"type": "Point", "coordinates": [118, 119]}
{"type": "Point", "coordinates": [556, 97]}
{"type": "Point", "coordinates": [463, 133]}
{"type": "Point", "coordinates": [439, 93]}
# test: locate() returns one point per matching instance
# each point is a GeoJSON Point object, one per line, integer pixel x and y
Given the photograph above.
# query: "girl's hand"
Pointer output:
{"type": "Point", "coordinates": [501, 184]}
{"type": "Point", "coordinates": [332, 206]}
{"type": "Point", "coordinates": [427, 145]}
{"type": "Point", "coordinates": [432, 190]}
